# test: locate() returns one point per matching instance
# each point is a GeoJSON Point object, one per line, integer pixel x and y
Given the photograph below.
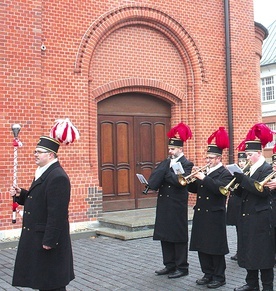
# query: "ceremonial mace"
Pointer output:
{"type": "Point", "coordinates": [16, 143]}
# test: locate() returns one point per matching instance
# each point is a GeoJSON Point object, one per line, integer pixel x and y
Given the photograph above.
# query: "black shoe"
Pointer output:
{"type": "Point", "coordinates": [215, 284]}
{"type": "Point", "coordinates": [178, 274]}
{"type": "Point", "coordinates": [164, 271]}
{"type": "Point", "coordinates": [247, 288]}
{"type": "Point", "coordinates": [203, 281]}
{"type": "Point", "coordinates": [235, 258]}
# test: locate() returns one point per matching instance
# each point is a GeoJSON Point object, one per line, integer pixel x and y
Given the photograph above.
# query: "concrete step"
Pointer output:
{"type": "Point", "coordinates": [129, 224]}
{"type": "Point", "coordinates": [124, 234]}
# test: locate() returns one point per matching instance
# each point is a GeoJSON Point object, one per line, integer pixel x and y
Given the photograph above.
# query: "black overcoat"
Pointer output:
{"type": "Point", "coordinates": [256, 247]}
{"type": "Point", "coordinates": [273, 205]}
{"type": "Point", "coordinates": [209, 222]}
{"type": "Point", "coordinates": [233, 209]}
{"type": "Point", "coordinates": [45, 222]}
{"type": "Point", "coordinates": [171, 223]}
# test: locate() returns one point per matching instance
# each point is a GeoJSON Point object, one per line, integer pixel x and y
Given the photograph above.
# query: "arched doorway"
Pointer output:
{"type": "Point", "coordinates": [132, 139]}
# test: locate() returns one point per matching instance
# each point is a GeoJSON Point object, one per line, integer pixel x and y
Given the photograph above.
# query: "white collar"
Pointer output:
{"type": "Point", "coordinates": [257, 165]}
{"type": "Point", "coordinates": [214, 168]}
{"type": "Point", "coordinates": [40, 170]}
{"type": "Point", "coordinates": [174, 161]}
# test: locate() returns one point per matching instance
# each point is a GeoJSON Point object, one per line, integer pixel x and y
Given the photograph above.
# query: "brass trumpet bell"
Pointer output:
{"type": "Point", "coordinates": [191, 178]}
{"type": "Point", "coordinates": [224, 190]}
{"type": "Point", "coordinates": [260, 185]}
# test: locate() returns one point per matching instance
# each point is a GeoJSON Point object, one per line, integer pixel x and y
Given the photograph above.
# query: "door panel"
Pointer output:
{"type": "Point", "coordinates": [116, 162]}
{"type": "Point", "coordinates": [130, 143]}
{"type": "Point", "coordinates": [151, 149]}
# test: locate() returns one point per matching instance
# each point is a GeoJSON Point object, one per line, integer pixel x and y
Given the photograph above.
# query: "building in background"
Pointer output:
{"type": "Point", "coordinates": [268, 84]}
{"type": "Point", "coordinates": [124, 72]}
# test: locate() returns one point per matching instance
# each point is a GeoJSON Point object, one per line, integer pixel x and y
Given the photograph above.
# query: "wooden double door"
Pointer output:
{"type": "Point", "coordinates": [129, 144]}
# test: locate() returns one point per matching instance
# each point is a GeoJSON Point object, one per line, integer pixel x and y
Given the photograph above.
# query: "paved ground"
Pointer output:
{"type": "Point", "coordinates": [104, 263]}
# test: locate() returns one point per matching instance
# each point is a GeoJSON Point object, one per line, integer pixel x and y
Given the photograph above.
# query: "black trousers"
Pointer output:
{"type": "Point", "coordinates": [213, 266]}
{"type": "Point", "coordinates": [267, 277]}
{"type": "Point", "coordinates": [175, 255]}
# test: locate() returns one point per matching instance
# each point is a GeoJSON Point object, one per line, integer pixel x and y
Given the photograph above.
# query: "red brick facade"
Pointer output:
{"type": "Point", "coordinates": [173, 50]}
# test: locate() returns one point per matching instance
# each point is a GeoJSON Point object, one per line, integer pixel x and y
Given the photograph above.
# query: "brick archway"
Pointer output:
{"type": "Point", "coordinates": [149, 16]}
{"type": "Point", "coordinates": [131, 15]}
{"type": "Point", "coordinates": [182, 101]}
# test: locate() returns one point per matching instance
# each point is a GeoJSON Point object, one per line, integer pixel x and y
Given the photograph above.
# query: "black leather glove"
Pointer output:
{"type": "Point", "coordinates": [239, 177]}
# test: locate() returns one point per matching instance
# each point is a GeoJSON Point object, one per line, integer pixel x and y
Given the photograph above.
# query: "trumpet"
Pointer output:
{"type": "Point", "coordinates": [260, 185]}
{"type": "Point", "coordinates": [190, 178]}
{"type": "Point", "coordinates": [224, 190]}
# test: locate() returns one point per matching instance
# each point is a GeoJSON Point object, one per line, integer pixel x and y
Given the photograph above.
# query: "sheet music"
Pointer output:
{"type": "Point", "coordinates": [142, 179]}
{"type": "Point", "coordinates": [178, 169]}
{"type": "Point", "coordinates": [234, 168]}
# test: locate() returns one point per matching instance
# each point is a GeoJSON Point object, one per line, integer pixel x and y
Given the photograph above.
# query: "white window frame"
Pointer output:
{"type": "Point", "coordinates": [268, 89]}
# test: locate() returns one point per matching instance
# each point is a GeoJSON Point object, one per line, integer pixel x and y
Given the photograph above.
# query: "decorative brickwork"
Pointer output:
{"type": "Point", "coordinates": [61, 58]}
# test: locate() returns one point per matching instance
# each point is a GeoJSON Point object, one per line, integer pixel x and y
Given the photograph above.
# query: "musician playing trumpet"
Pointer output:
{"type": "Point", "coordinates": [171, 223]}
{"type": "Point", "coordinates": [255, 230]}
{"type": "Point", "coordinates": [234, 201]}
{"type": "Point", "coordinates": [271, 184]}
{"type": "Point", "coordinates": [208, 235]}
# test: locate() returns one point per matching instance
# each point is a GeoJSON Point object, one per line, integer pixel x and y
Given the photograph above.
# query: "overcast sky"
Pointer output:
{"type": "Point", "coordinates": [265, 11]}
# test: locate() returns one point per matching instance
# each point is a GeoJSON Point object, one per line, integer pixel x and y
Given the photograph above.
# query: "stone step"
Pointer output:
{"type": "Point", "coordinates": [124, 234]}
{"type": "Point", "coordinates": [129, 224]}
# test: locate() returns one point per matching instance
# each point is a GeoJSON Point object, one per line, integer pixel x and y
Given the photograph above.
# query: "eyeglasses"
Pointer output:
{"type": "Point", "coordinates": [210, 158]}
{"type": "Point", "coordinates": [40, 152]}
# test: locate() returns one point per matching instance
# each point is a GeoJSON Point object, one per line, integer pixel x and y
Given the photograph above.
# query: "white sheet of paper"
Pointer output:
{"type": "Point", "coordinates": [234, 168]}
{"type": "Point", "coordinates": [142, 179]}
{"type": "Point", "coordinates": [178, 169]}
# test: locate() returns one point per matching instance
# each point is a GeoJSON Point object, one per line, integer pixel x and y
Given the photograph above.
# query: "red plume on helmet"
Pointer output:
{"type": "Point", "coordinates": [274, 150]}
{"type": "Point", "coordinates": [181, 131]}
{"type": "Point", "coordinates": [64, 131]}
{"type": "Point", "coordinates": [241, 146]}
{"type": "Point", "coordinates": [274, 154]}
{"type": "Point", "coordinates": [221, 138]}
{"type": "Point", "coordinates": [260, 131]}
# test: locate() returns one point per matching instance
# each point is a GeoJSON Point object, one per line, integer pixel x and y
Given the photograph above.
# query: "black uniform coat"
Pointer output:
{"type": "Point", "coordinates": [233, 209]}
{"type": "Point", "coordinates": [45, 222]}
{"type": "Point", "coordinates": [171, 223]}
{"type": "Point", "coordinates": [209, 221]}
{"type": "Point", "coordinates": [273, 204]}
{"type": "Point", "coordinates": [233, 205]}
{"type": "Point", "coordinates": [255, 230]}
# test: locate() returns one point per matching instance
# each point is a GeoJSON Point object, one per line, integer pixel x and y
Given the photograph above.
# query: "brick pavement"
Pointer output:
{"type": "Point", "coordinates": [104, 263]}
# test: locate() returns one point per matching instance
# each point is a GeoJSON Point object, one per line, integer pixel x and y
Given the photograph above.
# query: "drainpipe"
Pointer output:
{"type": "Point", "coordinates": [228, 79]}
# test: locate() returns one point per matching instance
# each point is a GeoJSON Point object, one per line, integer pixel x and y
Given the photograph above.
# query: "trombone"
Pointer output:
{"type": "Point", "coordinates": [260, 185]}
{"type": "Point", "coordinates": [224, 190]}
{"type": "Point", "coordinates": [190, 178]}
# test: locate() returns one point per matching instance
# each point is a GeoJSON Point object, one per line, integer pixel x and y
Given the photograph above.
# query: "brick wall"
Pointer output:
{"type": "Point", "coordinates": [95, 49]}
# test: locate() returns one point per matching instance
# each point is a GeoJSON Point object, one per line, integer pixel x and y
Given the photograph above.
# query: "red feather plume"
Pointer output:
{"type": "Point", "coordinates": [221, 138]}
{"type": "Point", "coordinates": [274, 149]}
{"type": "Point", "coordinates": [262, 132]}
{"type": "Point", "coordinates": [241, 146]}
{"type": "Point", "coordinates": [181, 131]}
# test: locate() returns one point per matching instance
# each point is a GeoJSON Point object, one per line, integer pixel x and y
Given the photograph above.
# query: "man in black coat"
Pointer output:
{"type": "Point", "coordinates": [256, 246]}
{"type": "Point", "coordinates": [271, 184]}
{"type": "Point", "coordinates": [234, 201]}
{"type": "Point", "coordinates": [171, 224]}
{"type": "Point", "coordinates": [44, 258]}
{"type": "Point", "coordinates": [208, 235]}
